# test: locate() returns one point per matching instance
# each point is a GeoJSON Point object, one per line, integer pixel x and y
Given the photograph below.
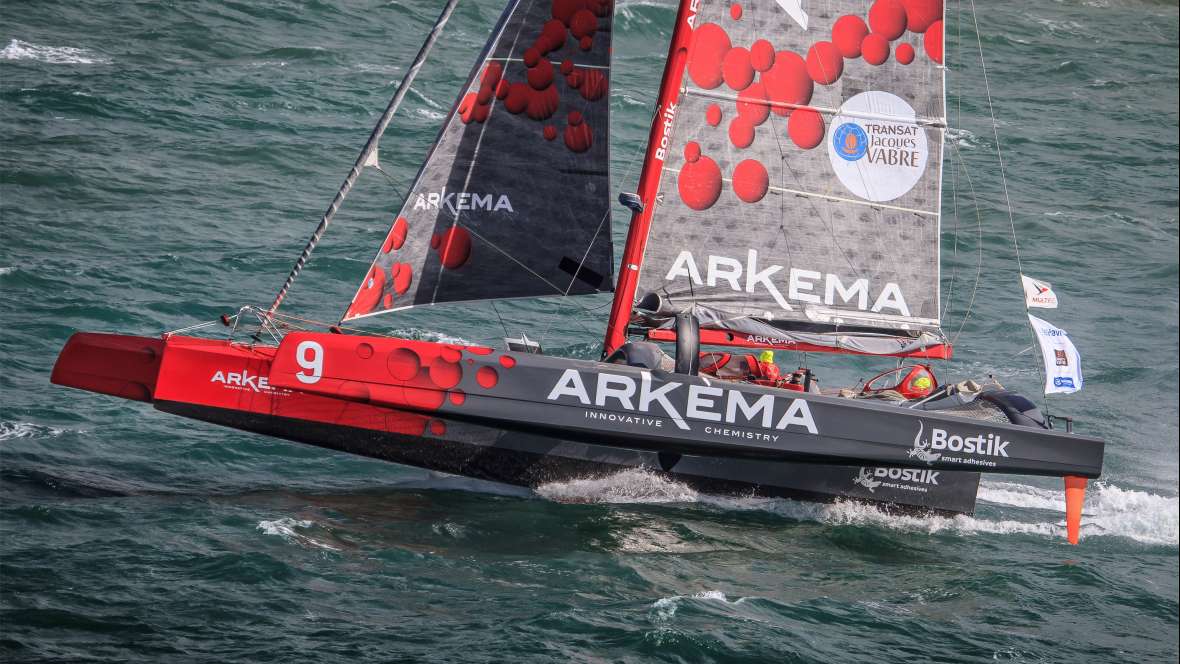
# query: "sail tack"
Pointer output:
{"type": "Point", "coordinates": [513, 200]}
{"type": "Point", "coordinates": [801, 184]}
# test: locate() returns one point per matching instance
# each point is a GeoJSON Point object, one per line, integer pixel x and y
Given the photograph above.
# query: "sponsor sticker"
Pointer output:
{"type": "Point", "coordinates": [878, 151]}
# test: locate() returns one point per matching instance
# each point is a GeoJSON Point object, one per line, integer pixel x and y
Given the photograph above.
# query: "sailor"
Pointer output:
{"type": "Point", "coordinates": [766, 365]}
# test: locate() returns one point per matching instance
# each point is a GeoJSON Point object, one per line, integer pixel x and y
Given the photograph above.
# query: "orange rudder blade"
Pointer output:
{"type": "Point", "coordinates": [1075, 495]}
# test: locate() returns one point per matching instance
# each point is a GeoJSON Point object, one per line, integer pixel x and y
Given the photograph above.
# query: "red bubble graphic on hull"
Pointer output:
{"type": "Point", "coordinates": [735, 11]}
{"type": "Point", "coordinates": [487, 377]}
{"type": "Point", "coordinates": [403, 364]}
{"type": "Point", "coordinates": [445, 374]}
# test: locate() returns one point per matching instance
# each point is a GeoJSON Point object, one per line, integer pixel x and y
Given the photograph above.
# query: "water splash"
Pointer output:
{"type": "Point", "coordinates": [11, 430]}
{"type": "Point", "coordinates": [1110, 511]}
{"type": "Point", "coordinates": [56, 55]}
{"type": "Point", "coordinates": [289, 529]}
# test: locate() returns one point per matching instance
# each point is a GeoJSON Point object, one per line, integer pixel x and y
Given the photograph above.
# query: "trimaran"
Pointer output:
{"type": "Point", "coordinates": [790, 198]}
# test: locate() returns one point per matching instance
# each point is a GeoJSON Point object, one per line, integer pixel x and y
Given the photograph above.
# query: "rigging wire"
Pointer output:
{"type": "Point", "coordinates": [367, 156]}
{"type": "Point", "coordinates": [1004, 181]}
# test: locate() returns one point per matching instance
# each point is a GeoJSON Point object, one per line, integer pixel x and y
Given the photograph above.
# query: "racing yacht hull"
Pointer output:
{"type": "Point", "coordinates": [243, 387]}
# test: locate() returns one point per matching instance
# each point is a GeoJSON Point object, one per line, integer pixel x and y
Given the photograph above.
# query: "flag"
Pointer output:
{"type": "Point", "coordinates": [1063, 363]}
{"type": "Point", "coordinates": [1038, 294]}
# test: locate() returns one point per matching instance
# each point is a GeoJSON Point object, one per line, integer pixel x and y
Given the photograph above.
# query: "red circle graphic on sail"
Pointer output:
{"type": "Point", "coordinates": [750, 180]}
{"type": "Point", "coordinates": [847, 34]}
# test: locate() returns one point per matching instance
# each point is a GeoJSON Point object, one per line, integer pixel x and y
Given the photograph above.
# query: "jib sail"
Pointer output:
{"type": "Point", "coordinates": [800, 184]}
{"type": "Point", "coordinates": [513, 199]}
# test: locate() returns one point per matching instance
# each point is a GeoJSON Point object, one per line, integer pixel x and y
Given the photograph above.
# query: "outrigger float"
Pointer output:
{"type": "Point", "coordinates": [790, 199]}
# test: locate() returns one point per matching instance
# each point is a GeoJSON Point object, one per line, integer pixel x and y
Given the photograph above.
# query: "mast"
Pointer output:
{"type": "Point", "coordinates": [367, 157]}
{"type": "Point", "coordinates": [658, 142]}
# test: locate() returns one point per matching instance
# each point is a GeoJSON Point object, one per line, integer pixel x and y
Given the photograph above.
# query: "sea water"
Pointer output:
{"type": "Point", "coordinates": [163, 163]}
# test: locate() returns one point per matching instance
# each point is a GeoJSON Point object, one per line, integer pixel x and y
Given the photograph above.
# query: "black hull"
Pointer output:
{"type": "Point", "coordinates": [533, 459]}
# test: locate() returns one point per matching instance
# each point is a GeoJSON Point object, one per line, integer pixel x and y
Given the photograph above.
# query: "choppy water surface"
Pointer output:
{"type": "Point", "coordinates": [162, 163]}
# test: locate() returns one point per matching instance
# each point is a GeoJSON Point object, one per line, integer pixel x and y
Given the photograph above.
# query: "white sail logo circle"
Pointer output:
{"type": "Point", "coordinates": [876, 147]}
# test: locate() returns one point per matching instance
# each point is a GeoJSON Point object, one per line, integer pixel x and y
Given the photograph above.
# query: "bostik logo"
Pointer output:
{"type": "Point", "coordinates": [462, 202]}
{"type": "Point", "coordinates": [702, 402]}
{"type": "Point", "coordinates": [866, 480]}
{"type": "Point", "coordinates": [941, 442]}
{"type": "Point", "coordinates": [666, 117]}
{"type": "Point", "coordinates": [894, 477]}
{"type": "Point", "coordinates": [921, 450]}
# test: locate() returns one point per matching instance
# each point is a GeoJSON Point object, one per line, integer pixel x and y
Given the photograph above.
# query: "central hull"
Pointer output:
{"type": "Point", "coordinates": [233, 385]}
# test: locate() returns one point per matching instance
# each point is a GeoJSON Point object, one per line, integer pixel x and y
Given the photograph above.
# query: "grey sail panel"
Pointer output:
{"type": "Point", "coordinates": [513, 200]}
{"type": "Point", "coordinates": [803, 178]}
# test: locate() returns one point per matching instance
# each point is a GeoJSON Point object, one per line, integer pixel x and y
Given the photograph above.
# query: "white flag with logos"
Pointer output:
{"type": "Point", "coordinates": [1038, 294]}
{"type": "Point", "coordinates": [1063, 363]}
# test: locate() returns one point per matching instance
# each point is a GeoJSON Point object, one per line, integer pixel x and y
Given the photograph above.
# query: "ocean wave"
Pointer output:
{"type": "Point", "coordinates": [1109, 510]}
{"type": "Point", "coordinates": [57, 55]}
{"type": "Point", "coordinates": [11, 430]}
{"type": "Point", "coordinates": [289, 529]}
{"type": "Point", "coordinates": [4, 271]}
{"type": "Point", "coordinates": [663, 609]}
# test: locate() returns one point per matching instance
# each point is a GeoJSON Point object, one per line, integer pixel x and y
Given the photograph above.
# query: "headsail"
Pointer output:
{"type": "Point", "coordinates": [513, 200]}
{"type": "Point", "coordinates": [801, 185]}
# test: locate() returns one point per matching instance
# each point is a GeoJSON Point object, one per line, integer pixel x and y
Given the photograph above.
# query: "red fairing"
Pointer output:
{"type": "Point", "coordinates": [649, 179]}
{"type": "Point", "coordinates": [723, 338]}
{"type": "Point", "coordinates": [116, 364]}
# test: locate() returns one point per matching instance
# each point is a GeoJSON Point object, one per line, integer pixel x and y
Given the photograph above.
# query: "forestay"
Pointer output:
{"type": "Point", "coordinates": [513, 199]}
{"type": "Point", "coordinates": [801, 182]}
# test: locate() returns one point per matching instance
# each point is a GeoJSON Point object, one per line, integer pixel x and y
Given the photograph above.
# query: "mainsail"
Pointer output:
{"type": "Point", "coordinates": [513, 199]}
{"type": "Point", "coordinates": [801, 173]}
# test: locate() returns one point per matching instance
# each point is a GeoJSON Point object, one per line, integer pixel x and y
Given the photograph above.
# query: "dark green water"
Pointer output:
{"type": "Point", "coordinates": [162, 163]}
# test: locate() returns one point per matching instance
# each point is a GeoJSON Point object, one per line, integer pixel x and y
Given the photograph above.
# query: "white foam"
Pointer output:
{"type": "Point", "coordinates": [635, 485]}
{"type": "Point", "coordinates": [6, 270]}
{"type": "Point", "coordinates": [419, 334]}
{"type": "Point", "coordinates": [10, 430]}
{"type": "Point", "coordinates": [288, 528]}
{"type": "Point", "coordinates": [1108, 511]}
{"type": "Point", "coordinates": [57, 55]}
{"type": "Point", "coordinates": [664, 609]}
